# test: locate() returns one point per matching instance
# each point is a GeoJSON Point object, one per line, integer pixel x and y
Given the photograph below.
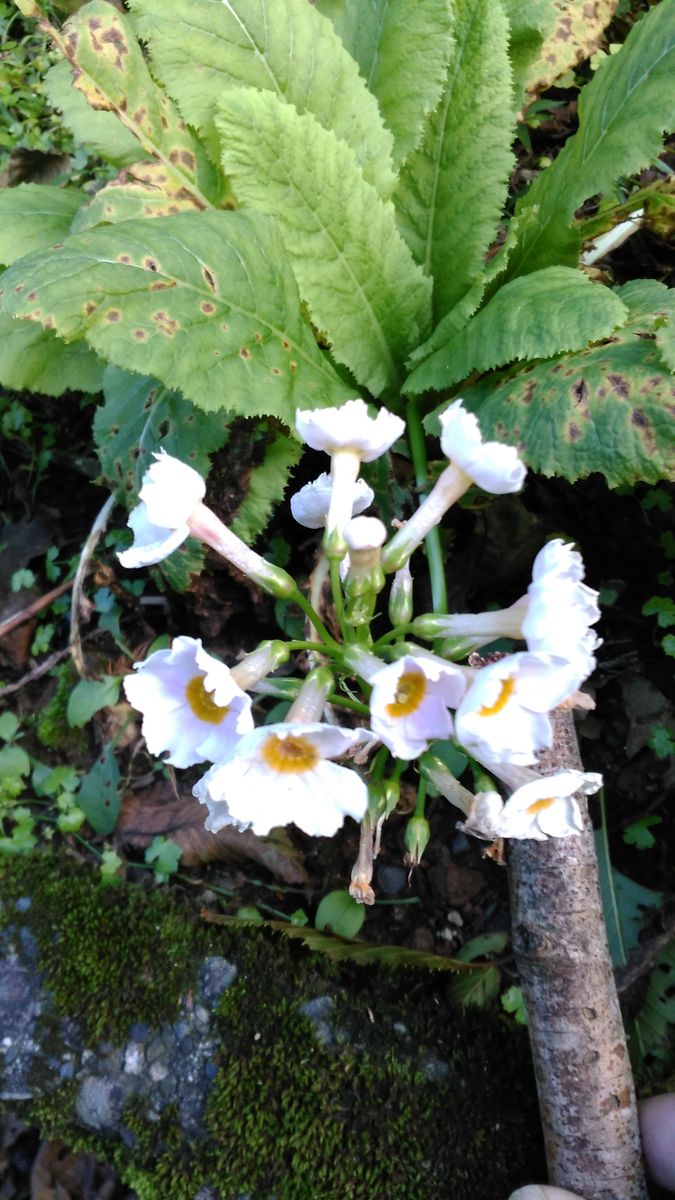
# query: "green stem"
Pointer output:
{"type": "Point", "coordinates": [338, 600]}
{"type": "Point", "coordinates": [303, 603]}
{"type": "Point", "coordinates": [421, 797]}
{"type": "Point", "coordinates": [432, 542]}
{"type": "Point", "coordinates": [392, 636]}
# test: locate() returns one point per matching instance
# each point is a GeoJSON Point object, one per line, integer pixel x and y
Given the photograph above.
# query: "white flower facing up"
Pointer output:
{"type": "Point", "coordinates": [554, 617]}
{"type": "Point", "coordinates": [310, 505]}
{"type": "Point", "coordinates": [351, 436]}
{"type": "Point", "coordinates": [493, 466]}
{"type": "Point", "coordinates": [282, 774]}
{"type": "Point", "coordinates": [171, 509]}
{"type": "Point", "coordinates": [191, 705]}
{"type": "Point", "coordinates": [409, 703]}
{"type": "Point", "coordinates": [543, 807]}
{"type": "Point", "coordinates": [170, 493]}
{"type": "Point", "coordinates": [503, 716]}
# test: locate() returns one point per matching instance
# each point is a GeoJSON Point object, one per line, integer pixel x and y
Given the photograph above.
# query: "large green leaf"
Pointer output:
{"type": "Point", "coordinates": [536, 316]}
{"type": "Point", "coordinates": [202, 47]}
{"type": "Point", "coordinates": [650, 1033]}
{"type": "Point", "coordinates": [205, 302]}
{"type": "Point", "coordinates": [452, 189]}
{"type": "Point", "coordinates": [101, 132]}
{"type": "Point", "coordinates": [137, 417]}
{"type": "Point", "coordinates": [622, 115]}
{"type": "Point", "coordinates": [531, 21]}
{"type": "Point", "coordinates": [34, 216]}
{"type": "Point", "coordinates": [35, 359]}
{"type": "Point", "coordinates": [353, 268]}
{"type": "Point", "coordinates": [267, 483]}
{"type": "Point", "coordinates": [402, 50]}
{"type": "Point", "coordinates": [610, 408]}
{"type": "Point", "coordinates": [112, 74]}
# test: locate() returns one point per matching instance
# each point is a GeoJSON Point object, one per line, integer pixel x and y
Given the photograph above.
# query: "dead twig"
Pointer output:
{"type": "Point", "coordinates": [37, 605]}
{"type": "Point", "coordinates": [78, 585]}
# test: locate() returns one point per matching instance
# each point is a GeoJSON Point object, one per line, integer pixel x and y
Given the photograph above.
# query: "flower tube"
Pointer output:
{"type": "Point", "coordinates": [192, 705]}
{"type": "Point", "coordinates": [310, 505]}
{"type": "Point", "coordinates": [171, 509]}
{"type": "Point", "coordinates": [351, 436]}
{"type": "Point", "coordinates": [493, 466]}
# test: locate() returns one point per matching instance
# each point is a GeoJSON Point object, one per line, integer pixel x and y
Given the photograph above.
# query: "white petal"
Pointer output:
{"type": "Point", "coordinates": [349, 427]}
{"type": "Point", "coordinates": [171, 490]}
{"type": "Point", "coordinates": [152, 543]}
{"type": "Point", "coordinates": [310, 505]}
{"type": "Point", "coordinates": [493, 466]}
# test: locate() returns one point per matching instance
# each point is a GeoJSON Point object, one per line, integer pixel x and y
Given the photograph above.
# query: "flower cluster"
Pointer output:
{"type": "Point", "coordinates": [410, 699]}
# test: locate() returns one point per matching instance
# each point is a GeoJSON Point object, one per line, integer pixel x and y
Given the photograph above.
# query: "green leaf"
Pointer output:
{"type": "Point", "coordinates": [166, 856]}
{"type": "Point", "coordinates": [609, 408]}
{"type": "Point", "coordinates": [353, 268]}
{"type": "Point", "coordinates": [9, 726]}
{"type": "Point", "coordinates": [266, 486]}
{"type": "Point", "coordinates": [137, 417]}
{"type": "Point", "coordinates": [98, 794]}
{"type": "Point", "coordinates": [205, 302]}
{"type": "Point", "coordinates": [477, 990]}
{"type": "Point", "coordinates": [651, 1032]}
{"type": "Point", "coordinates": [453, 188]}
{"type": "Point", "coordinates": [623, 113]}
{"type": "Point", "coordinates": [14, 763]}
{"type": "Point", "coordinates": [200, 49]}
{"type": "Point", "coordinates": [575, 34]}
{"type": "Point", "coordinates": [33, 216]}
{"type": "Point", "coordinates": [89, 696]}
{"type": "Point", "coordinates": [626, 905]}
{"type": "Point", "coordinates": [530, 22]}
{"type": "Point", "coordinates": [341, 949]}
{"type": "Point", "coordinates": [512, 1002]}
{"type": "Point", "coordinates": [100, 131]}
{"type": "Point", "coordinates": [532, 317]}
{"type": "Point", "coordinates": [144, 190]}
{"type": "Point", "coordinates": [665, 340]}
{"type": "Point", "coordinates": [110, 71]}
{"type": "Point", "coordinates": [402, 51]}
{"type": "Point", "coordinates": [639, 834]}
{"type": "Point", "coordinates": [668, 644]}
{"type": "Point", "coordinates": [479, 947]}
{"type": "Point", "coordinates": [340, 914]}
{"type": "Point", "coordinates": [661, 607]}
{"type": "Point", "coordinates": [35, 359]}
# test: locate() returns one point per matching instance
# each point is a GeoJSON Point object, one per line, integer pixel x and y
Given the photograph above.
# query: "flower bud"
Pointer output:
{"type": "Point", "coordinates": [401, 598]}
{"type": "Point", "coordinates": [262, 661]}
{"type": "Point", "coordinates": [417, 836]}
{"type": "Point", "coordinates": [309, 703]}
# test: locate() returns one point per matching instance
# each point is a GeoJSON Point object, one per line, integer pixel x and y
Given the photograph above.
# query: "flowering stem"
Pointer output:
{"type": "Point", "coordinates": [336, 589]}
{"type": "Point", "coordinates": [392, 636]}
{"type": "Point", "coordinates": [303, 603]}
{"type": "Point", "coordinates": [421, 797]}
{"type": "Point", "coordinates": [432, 542]}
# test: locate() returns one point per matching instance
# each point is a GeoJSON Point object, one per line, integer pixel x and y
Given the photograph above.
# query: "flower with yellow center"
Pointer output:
{"type": "Point", "coordinates": [281, 775]}
{"type": "Point", "coordinates": [503, 718]}
{"type": "Point", "coordinates": [409, 703]}
{"type": "Point", "coordinates": [192, 706]}
{"type": "Point", "coordinates": [540, 808]}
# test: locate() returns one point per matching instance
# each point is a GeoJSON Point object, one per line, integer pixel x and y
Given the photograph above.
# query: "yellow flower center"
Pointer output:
{"type": "Point", "coordinates": [410, 693]}
{"type": "Point", "coordinates": [507, 689]}
{"type": "Point", "coordinates": [202, 703]}
{"type": "Point", "coordinates": [289, 755]}
{"type": "Point", "coordinates": [539, 805]}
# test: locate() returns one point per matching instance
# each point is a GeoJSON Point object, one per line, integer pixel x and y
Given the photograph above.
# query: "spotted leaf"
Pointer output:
{"type": "Point", "coordinates": [33, 216]}
{"type": "Point", "coordinates": [204, 302]}
{"type": "Point", "coordinates": [145, 189]}
{"type": "Point", "coordinates": [35, 359]}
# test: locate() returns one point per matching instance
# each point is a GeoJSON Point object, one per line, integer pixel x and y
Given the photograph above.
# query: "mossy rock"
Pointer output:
{"type": "Point", "coordinates": [231, 1063]}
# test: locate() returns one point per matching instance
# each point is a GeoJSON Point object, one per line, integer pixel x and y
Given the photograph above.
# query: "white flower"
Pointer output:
{"type": "Point", "coordinates": [492, 465]}
{"type": "Point", "coordinates": [310, 505]}
{"type": "Point", "coordinates": [351, 437]}
{"type": "Point", "coordinates": [349, 427]}
{"type": "Point", "coordinates": [191, 705]}
{"type": "Point", "coordinates": [495, 467]}
{"type": "Point", "coordinates": [503, 716]}
{"type": "Point", "coordinates": [554, 617]}
{"type": "Point", "coordinates": [281, 774]}
{"type": "Point", "coordinates": [541, 808]}
{"type": "Point", "coordinates": [409, 703]}
{"type": "Point", "coordinates": [169, 495]}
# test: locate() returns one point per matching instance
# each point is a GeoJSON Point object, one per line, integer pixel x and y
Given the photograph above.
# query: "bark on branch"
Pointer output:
{"type": "Point", "coordinates": [585, 1085]}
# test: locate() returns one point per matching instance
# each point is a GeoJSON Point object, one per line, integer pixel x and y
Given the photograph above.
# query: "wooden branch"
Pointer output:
{"type": "Point", "coordinates": [586, 1092]}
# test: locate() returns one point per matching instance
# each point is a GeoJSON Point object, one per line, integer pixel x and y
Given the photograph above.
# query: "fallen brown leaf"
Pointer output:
{"type": "Point", "coordinates": [162, 810]}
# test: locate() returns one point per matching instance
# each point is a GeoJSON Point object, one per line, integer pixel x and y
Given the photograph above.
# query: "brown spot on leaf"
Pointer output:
{"type": "Point", "coordinates": [19, 287]}
{"type": "Point", "coordinates": [209, 277]}
{"type": "Point", "coordinates": [286, 344]}
{"type": "Point", "coordinates": [225, 327]}
{"type": "Point", "coordinates": [638, 418]}
{"type": "Point", "coordinates": [602, 392]}
{"type": "Point", "coordinates": [31, 296]}
{"type": "Point", "coordinates": [245, 352]}
{"type": "Point", "coordinates": [161, 285]}
{"type": "Point", "coordinates": [647, 436]}
{"type": "Point", "coordinates": [113, 314]}
{"type": "Point", "coordinates": [165, 123]}
{"type": "Point", "coordinates": [573, 432]}
{"type": "Point", "coordinates": [207, 307]}
{"type": "Point", "coordinates": [140, 334]}
{"type": "Point", "coordinates": [580, 394]}
{"type": "Point", "coordinates": [173, 157]}
{"type": "Point", "coordinates": [90, 308]}
{"type": "Point", "coordinates": [150, 264]}
{"type": "Point", "coordinates": [95, 23]}
{"type": "Point", "coordinates": [138, 116]}
{"type": "Point", "coordinates": [258, 337]}
{"type": "Point", "coordinates": [276, 371]}
{"type": "Point", "coordinates": [293, 365]}
{"type": "Point", "coordinates": [122, 105]}
{"type": "Point", "coordinates": [124, 258]}
{"type": "Point", "coordinates": [188, 159]}
{"type": "Point", "coordinates": [48, 322]}
{"type": "Point", "coordinates": [166, 324]}
{"type": "Point", "coordinates": [619, 385]}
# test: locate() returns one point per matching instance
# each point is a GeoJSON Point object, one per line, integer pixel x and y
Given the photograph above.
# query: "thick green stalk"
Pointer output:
{"type": "Point", "coordinates": [432, 542]}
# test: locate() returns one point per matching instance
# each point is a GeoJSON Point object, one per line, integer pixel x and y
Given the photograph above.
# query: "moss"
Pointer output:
{"type": "Point", "coordinates": [52, 726]}
{"type": "Point", "coordinates": [111, 955]}
{"type": "Point", "coordinates": [287, 1117]}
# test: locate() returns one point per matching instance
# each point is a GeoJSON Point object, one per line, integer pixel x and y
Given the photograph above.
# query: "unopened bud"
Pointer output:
{"type": "Point", "coordinates": [401, 597]}
{"type": "Point", "coordinates": [309, 704]}
{"type": "Point", "coordinates": [262, 661]}
{"type": "Point", "coordinates": [417, 834]}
